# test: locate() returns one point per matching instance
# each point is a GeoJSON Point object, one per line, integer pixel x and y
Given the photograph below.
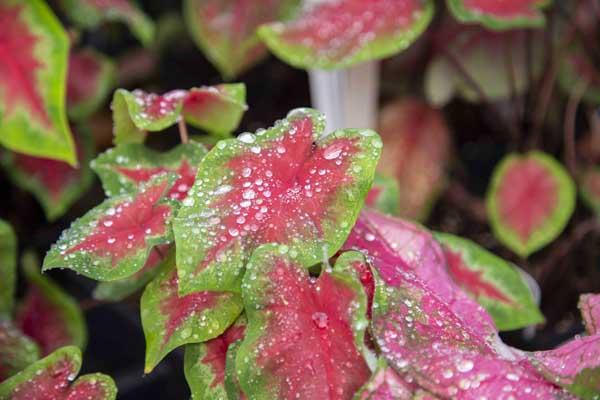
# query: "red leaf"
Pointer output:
{"type": "Point", "coordinates": [186, 176]}
{"type": "Point", "coordinates": [216, 352]}
{"type": "Point", "coordinates": [589, 305]}
{"type": "Point", "coordinates": [386, 384]}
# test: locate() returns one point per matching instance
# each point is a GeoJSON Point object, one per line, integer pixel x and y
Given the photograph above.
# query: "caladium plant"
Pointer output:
{"type": "Point", "coordinates": [499, 15]}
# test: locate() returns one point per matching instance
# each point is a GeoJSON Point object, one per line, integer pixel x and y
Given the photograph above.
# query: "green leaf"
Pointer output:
{"type": "Point", "coordinates": [496, 284]}
{"type": "Point", "coordinates": [55, 184]}
{"type": "Point", "coordinates": [50, 377]}
{"type": "Point", "coordinates": [288, 184]}
{"type": "Point", "coordinates": [305, 336]}
{"type": "Point", "coordinates": [47, 314]}
{"type": "Point", "coordinates": [232, 382]}
{"type": "Point", "coordinates": [530, 200]}
{"type": "Point", "coordinates": [207, 364]}
{"type": "Point", "coordinates": [17, 350]}
{"type": "Point", "coordinates": [92, 13]}
{"type": "Point", "coordinates": [384, 195]}
{"type": "Point", "coordinates": [8, 265]}
{"type": "Point", "coordinates": [33, 119]}
{"type": "Point", "coordinates": [170, 320]}
{"type": "Point", "coordinates": [500, 15]}
{"type": "Point", "coordinates": [91, 77]}
{"type": "Point", "coordinates": [113, 240]}
{"type": "Point", "coordinates": [363, 31]}
{"type": "Point", "coordinates": [123, 169]}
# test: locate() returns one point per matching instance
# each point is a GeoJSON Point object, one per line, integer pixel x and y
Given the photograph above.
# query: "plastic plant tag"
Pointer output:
{"type": "Point", "coordinates": [33, 71]}
{"type": "Point", "coordinates": [53, 378]}
{"type": "Point", "coordinates": [286, 184]}
{"type": "Point", "coordinates": [113, 240]}
{"type": "Point", "coordinates": [530, 200]}
{"type": "Point", "coordinates": [8, 265]}
{"type": "Point", "coordinates": [17, 350]}
{"type": "Point", "coordinates": [494, 283]}
{"type": "Point", "coordinates": [305, 335]}
{"type": "Point", "coordinates": [170, 320]}
{"type": "Point", "coordinates": [329, 35]}
{"type": "Point", "coordinates": [499, 15]}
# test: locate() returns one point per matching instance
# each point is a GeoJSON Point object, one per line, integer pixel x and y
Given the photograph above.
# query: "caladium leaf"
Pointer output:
{"type": "Point", "coordinates": [205, 363]}
{"type": "Point", "coordinates": [338, 34]}
{"type": "Point", "coordinates": [575, 366]}
{"type": "Point", "coordinates": [494, 283]}
{"type": "Point", "coordinates": [91, 77]}
{"type": "Point", "coordinates": [33, 67]}
{"type": "Point", "coordinates": [285, 184]}
{"type": "Point", "coordinates": [51, 377]}
{"type": "Point", "coordinates": [589, 305]}
{"type": "Point", "coordinates": [8, 265]}
{"type": "Point", "coordinates": [123, 169]}
{"type": "Point", "coordinates": [170, 320]}
{"type": "Point", "coordinates": [91, 13]}
{"type": "Point", "coordinates": [232, 382]}
{"type": "Point", "coordinates": [416, 152]}
{"type": "Point", "coordinates": [160, 258]}
{"type": "Point", "coordinates": [385, 384]}
{"type": "Point", "coordinates": [499, 15]}
{"type": "Point", "coordinates": [384, 195]}
{"type": "Point", "coordinates": [589, 188]}
{"type": "Point", "coordinates": [305, 336]}
{"type": "Point", "coordinates": [226, 30]}
{"type": "Point", "coordinates": [113, 240]}
{"type": "Point", "coordinates": [17, 351]}
{"type": "Point", "coordinates": [530, 200]}
{"type": "Point", "coordinates": [56, 184]}
{"type": "Point", "coordinates": [47, 314]}
{"type": "Point", "coordinates": [399, 246]}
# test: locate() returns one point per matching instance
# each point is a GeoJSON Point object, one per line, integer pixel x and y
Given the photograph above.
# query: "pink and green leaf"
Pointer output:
{"type": "Point", "coordinates": [47, 314]}
{"type": "Point", "coordinates": [160, 259]}
{"type": "Point", "coordinates": [170, 320]}
{"type": "Point", "coordinates": [90, 14]}
{"type": "Point", "coordinates": [339, 34]}
{"type": "Point", "coordinates": [500, 15]}
{"type": "Point", "coordinates": [530, 200]}
{"type": "Point", "coordinates": [384, 195]}
{"type": "Point", "coordinates": [288, 184]}
{"type": "Point", "coordinates": [206, 363]}
{"type": "Point", "coordinates": [17, 350]}
{"type": "Point", "coordinates": [589, 188]}
{"type": "Point", "coordinates": [492, 282]}
{"type": "Point", "coordinates": [416, 152]}
{"type": "Point", "coordinates": [33, 69]}
{"type": "Point", "coordinates": [89, 81]}
{"type": "Point", "coordinates": [232, 382]}
{"type": "Point", "coordinates": [216, 109]}
{"type": "Point", "coordinates": [589, 305]}
{"type": "Point", "coordinates": [305, 335]}
{"type": "Point", "coordinates": [51, 377]}
{"type": "Point", "coordinates": [8, 266]}
{"type": "Point", "coordinates": [225, 30]}
{"type": "Point", "coordinates": [55, 184]}
{"type": "Point", "coordinates": [123, 169]}
{"type": "Point", "coordinates": [114, 239]}
{"type": "Point", "coordinates": [386, 384]}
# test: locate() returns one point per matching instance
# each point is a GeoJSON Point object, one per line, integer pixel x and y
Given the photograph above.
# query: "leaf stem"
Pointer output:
{"type": "Point", "coordinates": [570, 157]}
{"type": "Point", "coordinates": [183, 132]}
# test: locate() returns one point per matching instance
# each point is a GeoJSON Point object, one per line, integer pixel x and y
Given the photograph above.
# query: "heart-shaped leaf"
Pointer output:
{"type": "Point", "coordinates": [589, 305]}
{"type": "Point", "coordinates": [113, 240]}
{"type": "Point", "coordinates": [89, 81]}
{"type": "Point", "coordinates": [33, 70]}
{"type": "Point", "coordinates": [205, 363]}
{"type": "Point", "coordinates": [398, 246]}
{"type": "Point", "coordinates": [8, 265]}
{"type": "Point", "coordinates": [47, 314]}
{"type": "Point", "coordinates": [589, 188]}
{"type": "Point", "coordinates": [494, 283]}
{"type": "Point", "coordinates": [305, 336]}
{"type": "Point", "coordinates": [416, 152]}
{"type": "Point", "coordinates": [530, 200]}
{"type": "Point", "coordinates": [51, 377]}
{"type": "Point", "coordinates": [225, 30]}
{"type": "Point", "coordinates": [170, 320]}
{"type": "Point", "coordinates": [160, 258]}
{"type": "Point", "coordinates": [338, 34]}
{"type": "Point", "coordinates": [56, 184]}
{"type": "Point", "coordinates": [384, 195]}
{"type": "Point", "coordinates": [92, 13]}
{"type": "Point", "coordinates": [123, 169]}
{"type": "Point", "coordinates": [285, 184]}
{"type": "Point", "coordinates": [499, 15]}
{"type": "Point", "coordinates": [17, 351]}
{"type": "Point", "coordinates": [385, 384]}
